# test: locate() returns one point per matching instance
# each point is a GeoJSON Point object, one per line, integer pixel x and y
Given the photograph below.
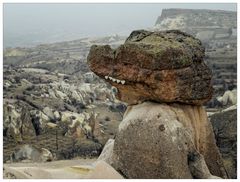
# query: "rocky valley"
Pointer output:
{"type": "Point", "coordinates": [92, 97]}
{"type": "Point", "coordinates": [51, 100]}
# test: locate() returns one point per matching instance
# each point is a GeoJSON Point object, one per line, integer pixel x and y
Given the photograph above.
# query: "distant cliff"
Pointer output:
{"type": "Point", "coordinates": [196, 21]}
{"type": "Point", "coordinates": [200, 17]}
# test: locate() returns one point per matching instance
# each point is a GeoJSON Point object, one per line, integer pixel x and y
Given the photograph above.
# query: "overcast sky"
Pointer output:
{"type": "Point", "coordinates": [36, 23]}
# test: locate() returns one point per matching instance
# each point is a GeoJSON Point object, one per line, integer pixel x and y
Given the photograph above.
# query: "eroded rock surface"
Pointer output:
{"type": "Point", "coordinates": [170, 141]}
{"type": "Point", "coordinates": [30, 153]}
{"type": "Point", "coordinates": [162, 66]}
{"type": "Point", "coordinates": [225, 129]}
{"type": "Point", "coordinates": [107, 152]}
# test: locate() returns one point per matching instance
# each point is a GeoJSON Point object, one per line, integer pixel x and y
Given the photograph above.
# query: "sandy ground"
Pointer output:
{"type": "Point", "coordinates": [62, 169]}
{"type": "Point", "coordinates": [53, 164]}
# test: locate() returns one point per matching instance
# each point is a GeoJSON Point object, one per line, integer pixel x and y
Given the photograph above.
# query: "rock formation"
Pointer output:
{"type": "Point", "coordinates": [170, 137]}
{"type": "Point", "coordinates": [228, 98]}
{"type": "Point", "coordinates": [225, 130]}
{"type": "Point", "coordinates": [16, 122]}
{"type": "Point", "coordinates": [166, 134]}
{"type": "Point", "coordinates": [205, 24]}
{"type": "Point", "coordinates": [159, 66]}
{"type": "Point", "coordinates": [30, 153]}
{"type": "Point", "coordinates": [59, 115]}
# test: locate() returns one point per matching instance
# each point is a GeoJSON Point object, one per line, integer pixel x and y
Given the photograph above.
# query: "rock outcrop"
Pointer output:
{"type": "Point", "coordinates": [17, 124]}
{"type": "Point", "coordinates": [107, 152]}
{"type": "Point", "coordinates": [173, 139]}
{"type": "Point", "coordinates": [30, 153]}
{"type": "Point", "coordinates": [225, 130]}
{"type": "Point", "coordinates": [58, 114]}
{"type": "Point", "coordinates": [160, 66]}
{"type": "Point", "coordinates": [168, 133]}
{"type": "Point", "coordinates": [205, 24]}
{"type": "Point", "coordinates": [228, 98]}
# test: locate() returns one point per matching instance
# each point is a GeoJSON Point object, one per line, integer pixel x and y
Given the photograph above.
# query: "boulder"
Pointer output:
{"type": "Point", "coordinates": [167, 142]}
{"type": "Point", "coordinates": [57, 115]}
{"type": "Point", "coordinates": [47, 111]}
{"type": "Point", "coordinates": [228, 98]}
{"type": "Point", "coordinates": [164, 66]}
{"type": "Point", "coordinates": [30, 153]}
{"type": "Point", "coordinates": [106, 154]}
{"type": "Point", "coordinates": [225, 130]}
{"type": "Point", "coordinates": [79, 125]}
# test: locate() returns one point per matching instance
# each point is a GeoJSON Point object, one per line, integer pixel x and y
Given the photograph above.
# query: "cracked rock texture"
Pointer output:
{"type": "Point", "coordinates": [165, 66]}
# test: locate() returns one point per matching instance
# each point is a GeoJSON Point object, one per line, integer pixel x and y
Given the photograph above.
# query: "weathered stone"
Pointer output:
{"type": "Point", "coordinates": [17, 122]}
{"type": "Point", "coordinates": [225, 130]}
{"type": "Point", "coordinates": [106, 154]}
{"type": "Point", "coordinates": [162, 66]}
{"type": "Point", "coordinates": [57, 115]}
{"type": "Point", "coordinates": [49, 113]}
{"type": "Point", "coordinates": [198, 167]}
{"type": "Point", "coordinates": [12, 122]}
{"type": "Point", "coordinates": [102, 170]}
{"type": "Point", "coordinates": [228, 98]}
{"type": "Point", "coordinates": [31, 153]}
{"type": "Point", "coordinates": [162, 143]}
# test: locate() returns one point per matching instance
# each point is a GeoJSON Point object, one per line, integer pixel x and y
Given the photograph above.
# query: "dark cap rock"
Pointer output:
{"type": "Point", "coordinates": [165, 66]}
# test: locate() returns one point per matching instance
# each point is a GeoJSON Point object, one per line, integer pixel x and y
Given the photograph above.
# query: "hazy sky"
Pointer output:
{"type": "Point", "coordinates": [27, 24]}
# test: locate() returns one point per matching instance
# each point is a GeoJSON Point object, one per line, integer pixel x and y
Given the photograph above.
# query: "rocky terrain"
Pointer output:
{"type": "Point", "coordinates": [56, 108]}
{"type": "Point", "coordinates": [63, 57]}
{"type": "Point", "coordinates": [51, 100]}
{"type": "Point", "coordinates": [225, 129]}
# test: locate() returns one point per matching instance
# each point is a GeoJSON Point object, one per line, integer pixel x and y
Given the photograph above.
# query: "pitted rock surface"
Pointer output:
{"type": "Point", "coordinates": [164, 66]}
{"type": "Point", "coordinates": [165, 141]}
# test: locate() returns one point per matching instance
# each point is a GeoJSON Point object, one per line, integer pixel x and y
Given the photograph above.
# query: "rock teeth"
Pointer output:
{"type": "Point", "coordinates": [115, 80]}
{"type": "Point", "coordinates": [122, 82]}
